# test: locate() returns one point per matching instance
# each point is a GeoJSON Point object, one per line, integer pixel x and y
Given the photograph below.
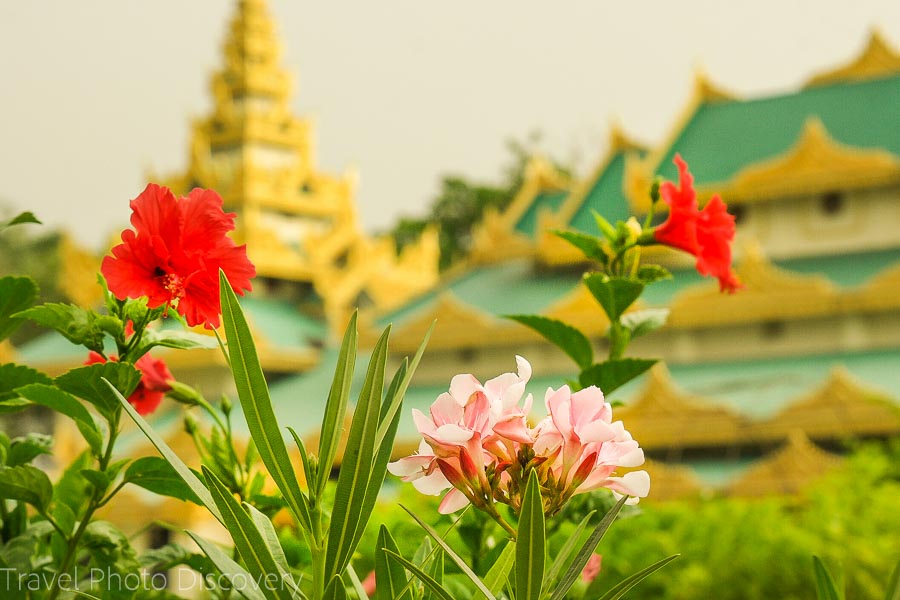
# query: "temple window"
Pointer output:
{"type": "Point", "coordinates": [832, 203]}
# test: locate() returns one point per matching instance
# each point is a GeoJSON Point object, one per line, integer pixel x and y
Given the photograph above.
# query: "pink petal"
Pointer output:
{"type": "Point", "coordinates": [452, 502]}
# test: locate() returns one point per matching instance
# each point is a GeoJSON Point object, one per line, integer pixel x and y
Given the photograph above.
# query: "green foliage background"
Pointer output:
{"type": "Point", "coordinates": [731, 548]}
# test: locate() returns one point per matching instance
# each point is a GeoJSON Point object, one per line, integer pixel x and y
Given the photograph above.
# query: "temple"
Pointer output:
{"type": "Point", "coordinates": [759, 390]}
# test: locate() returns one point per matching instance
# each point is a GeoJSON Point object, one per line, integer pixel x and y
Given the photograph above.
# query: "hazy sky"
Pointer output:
{"type": "Point", "coordinates": [96, 92]}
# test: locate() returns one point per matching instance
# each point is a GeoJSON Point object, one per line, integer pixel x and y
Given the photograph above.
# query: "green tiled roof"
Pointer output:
{"type": "Point", "coordinates": [508, 288]}
{"type": "Point", "coordinates": [527, 223]}
{"type": "Point", "coordinates": [723, 137]}
{"type": "Point", "coordinates": [282, 324]}
{"type": "Point", "coordinates": [606, 196]}
{"type": "Point", "coordinates": [847, 269]}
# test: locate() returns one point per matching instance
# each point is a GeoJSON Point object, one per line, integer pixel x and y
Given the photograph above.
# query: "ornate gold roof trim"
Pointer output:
{"type": "Point", "coordinates": [662, 416]}
{"type": "Point", "coordinates": [786, 471]}
{"type": "Point", "coordinates": [838, 408]}
{"type": "Point", "coordinates": [816, 163]}
{"type": "Point", "coordinates": [769, 293]}
{"type": "Point", "coordinates": [639, 172]}
{"type": "Point", "coordinates": [459, 325]}
{"type": "Point", "coordinates": [878, 59]}
{"type": "Point", "coordinates": [496, 238]}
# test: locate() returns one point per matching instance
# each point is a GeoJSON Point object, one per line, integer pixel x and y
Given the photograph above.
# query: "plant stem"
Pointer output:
{"type": "Point", "coordinates": [95, 502]}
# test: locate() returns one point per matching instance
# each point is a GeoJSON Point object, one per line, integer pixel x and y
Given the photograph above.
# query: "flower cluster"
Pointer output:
{"type": "Point", "coordinates": [707, 233]}
{"type": "Point", "coordinates": [155, 381]}
{"type": "Point", "coordinates": [477, 441]}
{"type": "Point", "coordinates": [174, 253]}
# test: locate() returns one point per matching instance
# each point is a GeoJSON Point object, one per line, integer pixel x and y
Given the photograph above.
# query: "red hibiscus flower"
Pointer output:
{"type": "Point", "coordinates": [155, 378]}
{"type": "Point", "coordinates": [707, 233]}
{"type": "Point", "coordinates": [174, 253]}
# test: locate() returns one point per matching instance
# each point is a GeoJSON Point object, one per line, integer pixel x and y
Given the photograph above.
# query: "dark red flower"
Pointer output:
{"type": "Point", "coordinates": [174, 253]}
{"type": "Point", "coordinates": [154, 383]}
{"type": "Point", "coordinates": [707, 233]}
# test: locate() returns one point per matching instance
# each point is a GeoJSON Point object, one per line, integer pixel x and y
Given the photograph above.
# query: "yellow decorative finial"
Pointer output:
{"type": "Point", "coordinates": [878, 59]}
{"type": "Point", "coordinates": [706, 91]}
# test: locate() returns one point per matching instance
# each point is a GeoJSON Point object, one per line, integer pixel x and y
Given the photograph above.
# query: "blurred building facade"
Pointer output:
{"type": "Point", "coordinates": [757, 389]}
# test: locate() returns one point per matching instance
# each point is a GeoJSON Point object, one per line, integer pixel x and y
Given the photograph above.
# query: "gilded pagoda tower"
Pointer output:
{"type": "Point", "coordinates": [300, 224]}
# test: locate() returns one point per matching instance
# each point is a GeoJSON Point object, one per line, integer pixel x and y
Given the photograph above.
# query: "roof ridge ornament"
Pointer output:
{"type": "Point", "coordinates": [878, 59]}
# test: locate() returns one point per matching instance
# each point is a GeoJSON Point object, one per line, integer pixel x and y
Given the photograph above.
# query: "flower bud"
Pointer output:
{"type": "Point", "coordinates": [226, 405]}
{"type": "Point", "coordinates": [184, 394]}
{"type": "Point", "coordinates": [190, 424]}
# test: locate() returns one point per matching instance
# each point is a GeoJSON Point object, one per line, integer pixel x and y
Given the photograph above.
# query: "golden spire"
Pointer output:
{"type": "Point", "coordinates": [878, 59]}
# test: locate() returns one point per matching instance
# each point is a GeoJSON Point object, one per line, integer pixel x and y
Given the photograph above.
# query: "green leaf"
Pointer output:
{"type": "Point", "coordinates": [395, 402]}
{"type": "Point", "coordinates": [98, 479]}
{"type": "Point", "coordinates": [16, 294]}
{"type": "Point", "coordinates": [186, 474]}
{"type": "Point", "coordinates": [531, 543]}
{"type": "Point", "coordinates": [562, 557]}
{"type": "Point", "coordinates": [355, 584]}
{"type": "Point", "coordinates": [336, 407]}
{"type": "Point", "coordinates": [75, 323]}
{"type": "Point", "coordinates": [893, 587]}
{"type": "Point", "coordinates": [231, 570]}
{"type": "Point", "coordinates": [621, 588]}
{"type": "Point", "coordinates": [436, 571]}
{"type": "Point", "coordinates": [590, 245]}
{"type": "Point", "coordinates": [652, 273]}
{"type": "Point", "coordinates": [248, 540]}
{"type": "Point", "coordinates": [24, 450]}
{"type": "Point", "coordinates": [641, 322]}
{"type": "Point", "coordinates": [158, 476]}
{"type": "Point", "coordinates": [615, 294]}
{"type": "Point", "coordinates": [175, 338]}
{"type": "Point", "coordinates": [424, 577]}
{"type": "Point", "coordinates": [26, 483]}
{"type": "Point", "coordinates": [88, 383]}
{"type": "Point", "coordinates": [825, 587]}
{"type": "Point", "coordinates": [335, 589]}
{"type": "Point", "coordinates": [19, 219]}
{"type": "Point", "coordinates": [304, 457]}
{"type": "Point", "coordinates": [467, 571]}
{"type": "Point", "coordinates": [389, 574]}
{"type": "Point", "coordinates": [499, 571]}
{"type": "Point", "coordinates": [258, 412]}
{"type": "Point", "coordinates": [613, 374]}
{"type": "Point", "coordinates": [567, 338]}
{"type": "Point", "coordinates": [604, 226]}
{"type": "Point", "coordinates": [13, 376]}
{"type": "Point", "coordinates": [269, 535]}
{"type": "Point", "coordinates": [12, 405]}
{"type": "Point", "coordinates": [356, 466]}
{"type": "Point", "coordinates": [65, 404]}
{"type": "Point", "coordinates": [587, 549]}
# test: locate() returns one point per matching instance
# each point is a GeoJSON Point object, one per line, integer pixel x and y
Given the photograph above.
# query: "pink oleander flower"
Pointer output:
{"type": "Point", "coordinates": [592, 568]}
{"type": "Point", "coordinates": [477, 443]}
{"type": "Point", "coordinates": [583, 447]}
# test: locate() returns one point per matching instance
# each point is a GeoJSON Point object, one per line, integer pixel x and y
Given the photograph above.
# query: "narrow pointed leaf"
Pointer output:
{"type": "Point", "coordinates": [356, 584]}
{"type": "Point", "coordinates": [233, 572]}
{"type": "Point", "coordinates": [531, 543]}
{"type": "Point", "coordinates": [258, 412]}
{"type": "Point", "coordinates": [621, 588]}
{"type": "Point", "coordinates": [422, 576]}
{"type": "Point", "coordinates": [356, 465]}
{"type": "Point", "coordinates": [565, 553]}
{"type": "Point", "coordinates": [378, 471]}
{"type": "Point", "coordinates": [394, 406]}
{"type": "Point", "coordinates": [335, 589]}
{"type": "Point", "coordinates": [186, 474]}
{"type": "Point", "coordinates": [893, 586]}
{"type": "Point", "coordinates": [453, 555]}
{"type": "Point", "coordinates": [269, 535]}
{"type": "Point", "coordinates": [589, 245]}
{"type": "Point", "coordinates": [248, 540]}
{"type": "Point", "coordinates": [499, 571]}
{"type": "Point", "coordinates": [336, 407]}
{"type": "Point", "coordinates": [389, 574]}
{"type": "Point", "coordinates": [825, 586]}
{"type": "Point", "coordinates": [567, 338]}
{"type": "Point", "coordinates": [584, 554]}
{"type": "Point", "coordinates": [304, 456]}
{"type": "Point", "coordinates": [436, 571]}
